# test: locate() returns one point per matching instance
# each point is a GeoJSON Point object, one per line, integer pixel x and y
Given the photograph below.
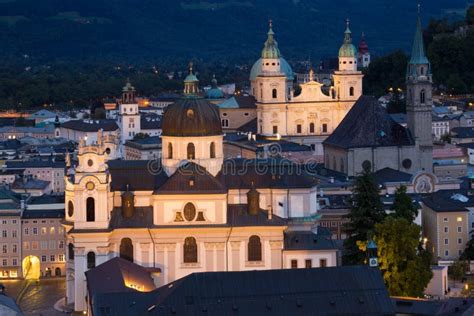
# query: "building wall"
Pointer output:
{"type": "Point", "coordinates": [10, 246]}
{"type": "Point", "coordinates": [45, 239]}
{"type": "Point", "coordinates": [53, 175]}
{"type": "Point", "coordinates": [232, 119]}
{"type": "Point", "coordinates": [317, 258]}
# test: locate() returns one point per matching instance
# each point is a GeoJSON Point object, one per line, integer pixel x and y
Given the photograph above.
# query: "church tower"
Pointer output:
{"type": "Point", "coordinates": [419, 99]}
{"type": "Point", "coordinates": [363, 54]}
{"type": "Point", "coordinates": [129, 114]}
{"type": "Point", "coordinates": [348, 80]}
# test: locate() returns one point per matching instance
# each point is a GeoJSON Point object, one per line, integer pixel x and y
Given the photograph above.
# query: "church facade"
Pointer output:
{"type": "Point", "coordinates": [191, 211]}
{"type": "Point", "coordinates": [313, 114]}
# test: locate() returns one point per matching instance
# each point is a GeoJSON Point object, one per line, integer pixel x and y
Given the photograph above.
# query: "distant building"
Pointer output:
{"type": "Point", "coordinates": [363, 55]}
{"type": "Point", "coordinates": [76, 130]}
{"type": "Point", "coordinates": [148, 148]}
{"type": "Point", "coordinates": [45, 170]}
{"type": "Point", "coordinates": [237, 111]}
{"type": "Point", "coordinates": [13, 132]}
{"type": "Point", "coordinates": [10, 227]}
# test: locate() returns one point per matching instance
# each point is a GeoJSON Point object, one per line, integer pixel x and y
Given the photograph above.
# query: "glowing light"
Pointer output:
{"type": "Point", "coordinates": [459, 219]}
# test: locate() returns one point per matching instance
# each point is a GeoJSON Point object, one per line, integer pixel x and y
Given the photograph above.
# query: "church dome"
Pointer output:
{"type": "Point", "coordinates": [284, 67]}
{"type": "Point", "coordinates": [214, 92]}
{"type": "Point", "coordinates": [192, 116]}
{"type": "Point", "coordinates": [347, 49]}
{"type": "Point", "coordinates": [270, 49]}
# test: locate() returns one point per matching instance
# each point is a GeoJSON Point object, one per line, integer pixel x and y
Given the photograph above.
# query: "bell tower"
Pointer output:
{"type": "Point", "coordinates": [419, 99]}
{"type": "Point", "coordinates": [129, 114]}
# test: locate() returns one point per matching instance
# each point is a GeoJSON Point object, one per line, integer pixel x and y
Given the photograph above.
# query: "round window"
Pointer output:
{"type": "Point", "coordinates": [189, 212]}
{"type": "Point", "coordinates": [90, 186]}
{"type": "Point", "coordinates": [406, 163]}
{"type": "Point", "coordinates": [90, 163]}
{"type": "Point", "coordinates": [70, 209]}
{"type": "Point", "coordinates": [107, 151]}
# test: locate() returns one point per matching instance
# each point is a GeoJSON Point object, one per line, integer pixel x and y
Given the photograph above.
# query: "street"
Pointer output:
{"type": "Point", "coordinates": [40, 297]}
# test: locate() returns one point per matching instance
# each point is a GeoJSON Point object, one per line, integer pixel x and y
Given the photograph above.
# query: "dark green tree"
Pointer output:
{"type": "Point", "coordinates": [468, 253]}
{"type": "Point", "coordinates": [403, 205]}
{"type": "Point", "coordinates": [366, 211]}
{"type": "Point", "coordinates": [470, 15]}
{"type": "Point", "coordinates": [406, 269]}
{"type": "Point", "coordinates": [397, 103]}
{"type": "Point", "coordinates": [457, 270]}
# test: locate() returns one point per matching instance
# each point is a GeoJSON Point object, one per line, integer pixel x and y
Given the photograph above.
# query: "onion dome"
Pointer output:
{"type": "Point", "coordinates": [363, 47]}
{"type": "Point", "coordinates": [270, 49]}
{"type": "Point", "coordinates": [128, 87]}
{"type": "Point", "coordinates": [192, 115]}
{"type": "Point", "coordinates": [347, 49]}
{"type": "Point", "coordinates": [214, 92]}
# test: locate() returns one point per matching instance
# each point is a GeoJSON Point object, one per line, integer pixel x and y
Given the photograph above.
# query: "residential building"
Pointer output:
{"type": "Point", "coordinates": [10, 230]}
{"type": "Point", "coordinates": [148, 148]}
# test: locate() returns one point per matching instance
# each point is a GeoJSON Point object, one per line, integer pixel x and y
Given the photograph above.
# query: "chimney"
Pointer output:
{"type": "Point", "coordinates": [270, 212]}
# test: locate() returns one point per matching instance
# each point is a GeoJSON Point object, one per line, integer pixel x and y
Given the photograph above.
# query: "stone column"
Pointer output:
{"type": "Point", "coordinates": [145, 255]}
{"type": "Point", "coordinates": [80, 264]}
{"type": "Point", "coordinates": [220, 256]}
{"type": "Point", "coordinates": [276, 249]}
{"type": "Point", "coordinates": [235, 246]}
{"type": "Point", "coordinates": [209, 246]}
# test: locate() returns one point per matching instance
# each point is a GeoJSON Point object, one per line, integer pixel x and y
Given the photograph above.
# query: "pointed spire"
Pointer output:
{"type": "Point", "coordinates": [418, 55]}
{"type": "Point", "coordinates": [270, 49]}
{"type": "Point", "coordinates": [347, 33]}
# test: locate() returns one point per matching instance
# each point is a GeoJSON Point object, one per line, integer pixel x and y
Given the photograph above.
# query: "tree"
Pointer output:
{"type": "Point", "coordinates": [141, 136]}
{"type": "Point", "coordinates": [457, 270]}
{"type": "Point", "coordinates": [468, 253]}
{"type": "Point", "coordinates": [470, 15]}
{"type": "Point", "coordinates": [405, 267]}
{"type": "Point", "coordinates": [366, 211]}
{"type": "Point", "coordinates": [397, 103]}
{"type": "Point", "coordinates": [403, 205]}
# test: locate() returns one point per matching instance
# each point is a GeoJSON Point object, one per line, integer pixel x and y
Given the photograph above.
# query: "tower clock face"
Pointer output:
{"type": "Point", "coordinates": [90, 186]}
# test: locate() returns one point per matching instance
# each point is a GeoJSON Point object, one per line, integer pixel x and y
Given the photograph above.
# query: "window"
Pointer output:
{"type": "Point", "coordinates": [323, 263]}
{"type": "Point", "coordinates": [460, 241]}
{"type": "Point", "coordinates": [294, 264]}
{"type": "Point", "coordinates": [44, 244]}
{"type": "Point", "coordinates": [52, 230]}
{"type": "Point", "coordinates": [14, 262]}
{"type": "Point", "coordinates": [308, 263]}
{"type": "Point", "coordinates": [446, 241]}
{"type": "Point", "coordinates": [311, 128]}
{"type": "Point", "coordinates": [275, 129]}
{"type": "Point", "coordinates": [190, 250]}
{"type": "Point", "coordinates": [14, 248]}
{"type": "Point", "coordinates": [191, 150]}
{"type": "Point", "coordinates": [225, 123]}
{"type": "Point", "coordinates": [324, 128]}
{"type": "Point", "coordinates": [459, 219]}
{"type": "Point", "coordinates": [274, 93]}
{"type": "Point", "coordinates": [90, 209]}
{"type": "Point", "coordinates": [4, 249]}
{"type": "Point", "coordinates": [254, 249]}
{"type": "Point", "coordinates": [70, 251]}
{"type": "Point", "coordinates": [26, 231]}
{"type": "Point", "coordinates": [212, 150]}
{"type": "Point", "coordinates": [4, 262]}
{"type": "Point", "coordinates": [4, 233]}
{"type": "Point", "coordinates": [298, 129]}
{"type": "Point", "coordinates": [26, 245]}
{"type": "Point", "coordinates": [70, 209]}
{"type": "Point", "coordinates": [422, 96]}
{"type": "Point", "coordinates": [4, 222]}
{"type": "Point", "coordinates": [126, 249]}
{"type": "Point", "coordinates": [14, 233]}
{"type": "Point", "coordinates": [52, 258]}
{"type": "Point", "coordinates": [459, 229]}
{"type": "Point", "coordinates": [35, 230]}
{"type": "Point", "coordinates": [90, 260]}
{"type": "Point", "coordinates": [61, 244]}
{"type": "Point", "coordinates": [52, 244]}
{"type": "Point", "coordinates": [446, 253]}
{"type": "Point", "coordinates": [34, 245]}
{"type": "Point", "coordinates": [43, 258]}
{"type": "Point", "coordinates": [170, 151]}
{"type": "Point", "coordinates": [445, 219]}
{"type": "Point", "coordinates": [342, 165]}
{"type": "Point", "coordinates": [61, 258]}
{"type": "Point", "coordinates": [43, 230]}
{"type": "Point", "coordinates": [446, 229]}
{"type": "Point", "coordinates": [351, 91]}
{"type": "Point", "coordinates": [189, 212]}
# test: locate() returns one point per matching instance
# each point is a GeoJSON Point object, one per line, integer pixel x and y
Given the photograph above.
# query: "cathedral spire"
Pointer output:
{"type": "Point", "coordinates": [270, 49]}
{"type": "Point", "coordinates": [418, 55]}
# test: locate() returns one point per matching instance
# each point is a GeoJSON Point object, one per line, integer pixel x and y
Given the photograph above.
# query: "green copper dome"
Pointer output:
{"type": "Point", "coordinates": [214, 92]}
{"type": "Point", "coordinates": [191, 77]}
{"type": "Point", "coordinates": [347, 49]}
{"type": "Point", "coordinates": [270, 49]}
{"type": "Point", "coordinates": [284, 67]}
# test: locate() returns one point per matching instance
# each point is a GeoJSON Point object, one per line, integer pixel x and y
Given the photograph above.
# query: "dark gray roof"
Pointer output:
{"type": "Point", "coordinates": [31, 184]}
{"type": "Point", "coordinates": [265, 173]}
{"type": "Point", "coordinates": [11, 144]}
{"type": "Point", "coordinates": [43, 213]}
{"type": "Point", "coordinates": [192, 179]}
{"type": "Point", "coordinates": [238, 216]}
{"type": "Point", "coordinates": [140, 175]}
{"type": "Point", "coordinates": [446, 201]}
{"type": "Point", "coordinates": [368, 125]}
{"type": "Point", "coordinates": [245, 101]}
{"type": "Point", "coordinates": [250, 126]}
{"type": "Point", "coordinates": [307, 240]}
{"type": "Point", "coordinates": [466, 145]}
{"type": "Point", "coordinates": [347, 290]}
{"type": "Point", "coordinates": [463, 132]}
{"type": "Point", "coordinates": [46, 199]}
{"type": "Point", "coordinates": [150, 122]}
{"type": "Point", "coordinates": [110, 277]}
{"type": "Point", "coordinates": [17, 164]}
{"type": "Point", "coordinates": [145, 143]}
{"type": "Point", "coordinates": [391, 175]}
{"type": "Point", "coordinates": [108, 125]}
{"type": "Point", "coordinates": [451, 306]}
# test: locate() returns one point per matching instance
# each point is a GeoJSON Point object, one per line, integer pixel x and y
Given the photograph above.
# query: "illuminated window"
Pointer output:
{"type": "Point", "coordinates": [459, 219]}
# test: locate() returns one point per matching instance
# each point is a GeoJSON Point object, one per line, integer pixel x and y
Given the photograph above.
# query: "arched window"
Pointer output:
{"type": "Point", "coordinates": [254, 249]}
{"type": "Point", "coordinates": [351, 91]}
{"type": "Point", "coordinates": [191, 151]}
{"type": "Point", "coordinates": [274, 93]}
{"type": "Point", "coordinates": [422, 96]}
{"type": "Point", "coordinates": [212, 150]}
{"type": "Point", "coordinates": [70, 251]}
{"type": "Point", "coordinates": [311, 128]}
{"type": "Point", "coordinates": [90, 260]}
{"type": "Point", "coordinates": [126, 249]}
{"type": "Point", "coordinates": [190, 252]}
{"type": "Point", "coordinates": [170, 151]}
{"type": "Point", "coordinates": [90, 209]}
